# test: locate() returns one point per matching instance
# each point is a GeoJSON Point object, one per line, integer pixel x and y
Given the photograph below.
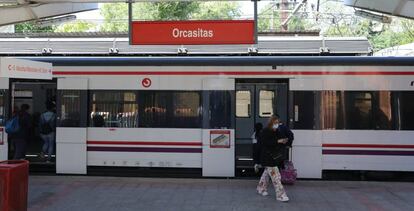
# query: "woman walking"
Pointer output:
{"type": "Point", "coordinates": [272, 146]}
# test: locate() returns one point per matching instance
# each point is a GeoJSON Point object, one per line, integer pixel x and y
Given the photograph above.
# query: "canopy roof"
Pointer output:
{"type": "Point", "coordinates": [402, 8]}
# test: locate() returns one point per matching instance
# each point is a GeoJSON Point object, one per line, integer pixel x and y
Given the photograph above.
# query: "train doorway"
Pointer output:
{"type": "Point", "coordinates": [256, 101]}
{"type": "Point", "coordinates": [38, 95]}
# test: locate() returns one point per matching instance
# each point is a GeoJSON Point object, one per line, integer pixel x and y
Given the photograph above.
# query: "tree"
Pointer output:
{"type": "Point", "coordinates": [76, 26]}
{"type": "Point", "coordinates": [31, 27]}
{"type": "Point", "coordinates": [218, 11]}
{"type": "Point", "coordinates": [270, 20]}
{"type": "Point", "coordinates": [116, 15]}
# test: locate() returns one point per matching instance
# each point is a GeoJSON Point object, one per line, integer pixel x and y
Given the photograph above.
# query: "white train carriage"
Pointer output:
{"type": "Point", "coordinates": [347, 113]}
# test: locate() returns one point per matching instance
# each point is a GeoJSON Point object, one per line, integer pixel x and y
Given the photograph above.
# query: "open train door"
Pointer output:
{"type": "Point", "coordinates": [4, 90]}
{"type": "Point", "coordinates": [71, 154]}
{"type": "Point", "coordinates": [12, 68]}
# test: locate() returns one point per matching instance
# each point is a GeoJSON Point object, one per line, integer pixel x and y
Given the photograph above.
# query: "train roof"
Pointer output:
{"type": "Point", "coordinates": [229, 61]}
{"type": "Point", "coordinates": [119, 46]}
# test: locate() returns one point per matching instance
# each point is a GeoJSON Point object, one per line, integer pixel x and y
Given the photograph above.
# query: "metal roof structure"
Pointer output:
{"type": "Point", "coordinates": [268, 45]}
{"type": "Point", "coordinates": [16, 11]}
{"type": "Point", "coordinates": [402, 8]}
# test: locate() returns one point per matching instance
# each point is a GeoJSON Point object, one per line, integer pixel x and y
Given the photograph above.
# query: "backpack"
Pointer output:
{"type": "Point", "coordinates": [45, 126]}
{"type": "Point", "coordinates": [12, 126]}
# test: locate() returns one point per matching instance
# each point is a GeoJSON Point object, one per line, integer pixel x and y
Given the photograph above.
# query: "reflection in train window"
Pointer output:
{"type": "Point", "coordinates": [2, 107]}
{"type": "Point", "coordinates": [266, 103]}
{"type": "Point", "coordinates": [243, 107]}
{"type": "Point", "coordinates": [175, 109]}
{"type": "Point", "coordinates": [186, 109]}
{"type": "Point", "coordinates": [70, 108]}
{"type": "Point", "coordinates": [113, 109]}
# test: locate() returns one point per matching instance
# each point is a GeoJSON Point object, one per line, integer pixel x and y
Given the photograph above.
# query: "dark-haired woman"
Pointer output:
{"type": "Point", "coordinates": [271, 155]}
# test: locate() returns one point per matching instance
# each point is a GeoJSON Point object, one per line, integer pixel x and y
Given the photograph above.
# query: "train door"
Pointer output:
{"type": "Point", "coordinates": [255, 103]}
{"type": "Point", "coordinates": [4, 89]}
{"type": "Point", "coordinates": [39, 95]}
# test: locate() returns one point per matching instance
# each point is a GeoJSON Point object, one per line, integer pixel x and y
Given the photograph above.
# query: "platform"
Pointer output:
{"type": "Point", "coordinates": [122, 193]}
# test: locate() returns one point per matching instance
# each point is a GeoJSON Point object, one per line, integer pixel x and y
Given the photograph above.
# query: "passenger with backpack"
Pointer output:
{"type": "Point", "coordinates": [18, 129]}
{"type": "Point", "coordinates": [47, 130]}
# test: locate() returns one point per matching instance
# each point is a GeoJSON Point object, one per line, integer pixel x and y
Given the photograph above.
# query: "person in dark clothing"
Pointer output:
{"type": "Point", "coordinates": [256, 149]}
{"type": "Point", "coordinates": [285, 133]}
{"type": "Point", "coordinates": [20, 138]}
{"type": "Point", "coordinates": [271, 144]}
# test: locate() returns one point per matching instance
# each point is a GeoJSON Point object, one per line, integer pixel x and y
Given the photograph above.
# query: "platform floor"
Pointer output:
{"type": "Point", "coordinates": [122, 193]}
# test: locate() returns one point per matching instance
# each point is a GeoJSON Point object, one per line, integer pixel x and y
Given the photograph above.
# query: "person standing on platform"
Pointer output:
{"type": "Point", "coordinates": [48, 131]}
{"type": "Point", "coordinates": [271, 156]}
{"type": "Point", "coordinates": [21, 137]}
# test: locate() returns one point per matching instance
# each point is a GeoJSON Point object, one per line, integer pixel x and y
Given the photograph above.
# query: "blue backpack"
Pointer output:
{"type": "Point", "coordinates": [12, 126]}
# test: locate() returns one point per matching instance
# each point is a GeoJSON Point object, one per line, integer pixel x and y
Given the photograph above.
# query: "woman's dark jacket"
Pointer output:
{"type": "Point", "coordinates": [269, 147]}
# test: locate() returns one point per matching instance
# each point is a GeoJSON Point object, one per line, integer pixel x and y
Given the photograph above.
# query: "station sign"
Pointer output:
{"type": "Point", "coordinates": [22, 68]}
{"type": "Point", "coordinates": [192, 32]}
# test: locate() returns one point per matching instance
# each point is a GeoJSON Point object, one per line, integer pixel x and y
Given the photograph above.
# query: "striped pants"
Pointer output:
{"type": "Point", "coordinates": [273, 173]}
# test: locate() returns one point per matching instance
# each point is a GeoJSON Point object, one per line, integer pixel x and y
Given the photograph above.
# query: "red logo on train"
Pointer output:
{"type": "Point", "coordinates": [146, 82]}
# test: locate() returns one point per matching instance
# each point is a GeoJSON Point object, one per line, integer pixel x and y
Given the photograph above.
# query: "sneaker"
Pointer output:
{"type": "Point", "coordinates": [283, 199]}
{"type": "Point", "coordinates": [256, 168]}
{"type": "Point", "coordinates": [42, 155]}
{"type": "Point", "coordinates": [263, 193]}
{"type": "Point", "coordinates": [48, 161]}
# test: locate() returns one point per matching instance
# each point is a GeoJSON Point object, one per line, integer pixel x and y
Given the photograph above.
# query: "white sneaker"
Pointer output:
{"type": "Point", "coordinates": [256, 168]}
{"type": "Point", "coordinates": [283, 199]}
{"type": "Point", "coordinates": [263, 193]}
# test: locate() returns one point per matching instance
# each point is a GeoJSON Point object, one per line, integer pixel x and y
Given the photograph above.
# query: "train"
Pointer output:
{"type": "Point", "coordinates": [347, 113]}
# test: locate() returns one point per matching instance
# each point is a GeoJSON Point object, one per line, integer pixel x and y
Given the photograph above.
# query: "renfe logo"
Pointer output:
{"type": "Point", "coordinates": [146, 82]}
{"type": "Point", "coordinates": [192, 32]}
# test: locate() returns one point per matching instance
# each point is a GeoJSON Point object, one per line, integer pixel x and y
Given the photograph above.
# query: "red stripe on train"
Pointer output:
{"type": "Point", "coordinates": [145, 143]}
{"type": "Point", "coordinates": [370, 146]}
{"type": "Point", "coordinates": [228, 73]}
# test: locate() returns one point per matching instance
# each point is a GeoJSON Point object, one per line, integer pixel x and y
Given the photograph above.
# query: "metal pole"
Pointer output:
{"type": "Point", "coordinates": [130, 21]}
{"type": "Point", "coordinates": [255, 22]}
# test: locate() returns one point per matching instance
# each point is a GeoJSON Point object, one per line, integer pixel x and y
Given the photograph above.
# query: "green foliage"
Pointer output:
{"type": "Point", "coordinates": [116, 14]}
{"type": "Point", "coordinates": [30, 27]}
{"type": "Point", "coordinates": [76, 26]}
{"type": "Point", "coordinates": [218, 11]}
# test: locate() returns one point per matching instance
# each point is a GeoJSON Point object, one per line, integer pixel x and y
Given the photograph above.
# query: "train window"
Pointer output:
{"type": "Point", "coordinates": [383, 118]}
{"type": "Point", "coordinates": [243, 106]}
{"type": "Point", "coordinates": [359, 110]}
{"type": "Point", "coordinates": [2, 107]}
{"type": "Point", "coordinates": [70, 108]}
{"type": "Point", "coordinates": [220, 109]}
{"type": "Point", "coordinates": [406, 111]}
{"type": "Point", "coordinates": [154, 109]}
{"type": "Point", "coordinates": [332, 110]}
{"type": "Point", "coordinates": [186, 109]}
{"type": "Point", "coordinates": [113, 109]}
{"type": "Point", "coordinates": [181, 109]}
{"type": "Point", "coordinates": [304, 115]}
{"type": "Point", "coordinates": [266, 103]}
